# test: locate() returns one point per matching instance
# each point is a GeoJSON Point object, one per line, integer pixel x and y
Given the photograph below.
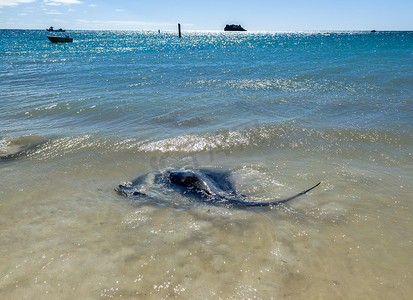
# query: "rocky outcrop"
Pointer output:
{"type": "Point", "coordinates": [233, 27]}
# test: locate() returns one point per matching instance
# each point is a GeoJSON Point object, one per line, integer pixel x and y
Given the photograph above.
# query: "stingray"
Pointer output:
{"type": "Point", "coordinates": [209, 186]}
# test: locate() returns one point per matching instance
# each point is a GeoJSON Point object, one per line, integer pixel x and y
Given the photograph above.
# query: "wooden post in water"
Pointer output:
{"type": "Point", "coordinates": [179, 30]}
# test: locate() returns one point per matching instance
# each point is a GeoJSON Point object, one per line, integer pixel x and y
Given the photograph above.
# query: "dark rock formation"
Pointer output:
{"type": "Point", "coordinates": [233, 27]}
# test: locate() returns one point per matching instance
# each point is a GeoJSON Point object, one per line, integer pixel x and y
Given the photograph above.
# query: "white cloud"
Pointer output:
{"type": "Point", "coordinates": [14, 2]}
{"type": "Point", "coordinates": [54, 12]}
{"type": "Point", "coordinates": [100, 24]}
{"type": "Point", "coordinates": [61, 2]}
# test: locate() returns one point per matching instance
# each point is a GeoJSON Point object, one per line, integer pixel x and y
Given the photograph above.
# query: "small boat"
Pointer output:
{"type": "Point", "coordinates": [51, 29]}
{"type": "Point", "coordinates": [60, 39]}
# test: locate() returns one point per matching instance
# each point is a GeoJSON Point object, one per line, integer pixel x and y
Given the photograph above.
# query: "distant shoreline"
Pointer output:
{"type": "Point", "coordinates": [215, 31]}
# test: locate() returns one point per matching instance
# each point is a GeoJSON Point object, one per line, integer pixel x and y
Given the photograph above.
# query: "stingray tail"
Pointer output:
{"type": "Point", "coordinates": [295, 196]}
{"type": "Point", "coordinates": [243, 203]}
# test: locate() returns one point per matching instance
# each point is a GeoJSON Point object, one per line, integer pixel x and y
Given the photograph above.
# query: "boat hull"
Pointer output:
{"type": "Point", "coordinates": [60, 39]}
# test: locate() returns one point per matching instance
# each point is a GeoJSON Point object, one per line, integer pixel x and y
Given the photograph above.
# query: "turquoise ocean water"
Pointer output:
{"type": "Point", "coordinates": [280, 110]}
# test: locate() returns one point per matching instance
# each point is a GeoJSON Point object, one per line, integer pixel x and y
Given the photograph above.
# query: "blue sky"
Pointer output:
{"type": "Point", "coordinates": [254, 15]}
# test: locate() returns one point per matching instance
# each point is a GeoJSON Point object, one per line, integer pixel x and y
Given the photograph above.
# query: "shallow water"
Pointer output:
{"type": "Point", "coordinates": [282, 111]}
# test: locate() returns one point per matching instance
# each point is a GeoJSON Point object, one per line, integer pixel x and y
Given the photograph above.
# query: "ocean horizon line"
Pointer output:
{"type": "Point", "coordinates": [222, 31]}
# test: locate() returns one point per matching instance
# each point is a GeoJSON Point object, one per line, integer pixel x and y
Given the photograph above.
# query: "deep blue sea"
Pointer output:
{"type": "Point", "coordinates": [279, 111]}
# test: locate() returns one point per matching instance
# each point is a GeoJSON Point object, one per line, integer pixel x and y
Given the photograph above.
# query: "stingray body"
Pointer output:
{"type": "Point", "coordinates": [209, 186]}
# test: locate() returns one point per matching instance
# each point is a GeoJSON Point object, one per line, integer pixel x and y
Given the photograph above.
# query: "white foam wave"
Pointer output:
{"type": "Point", "coordinates": [200, 142]}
